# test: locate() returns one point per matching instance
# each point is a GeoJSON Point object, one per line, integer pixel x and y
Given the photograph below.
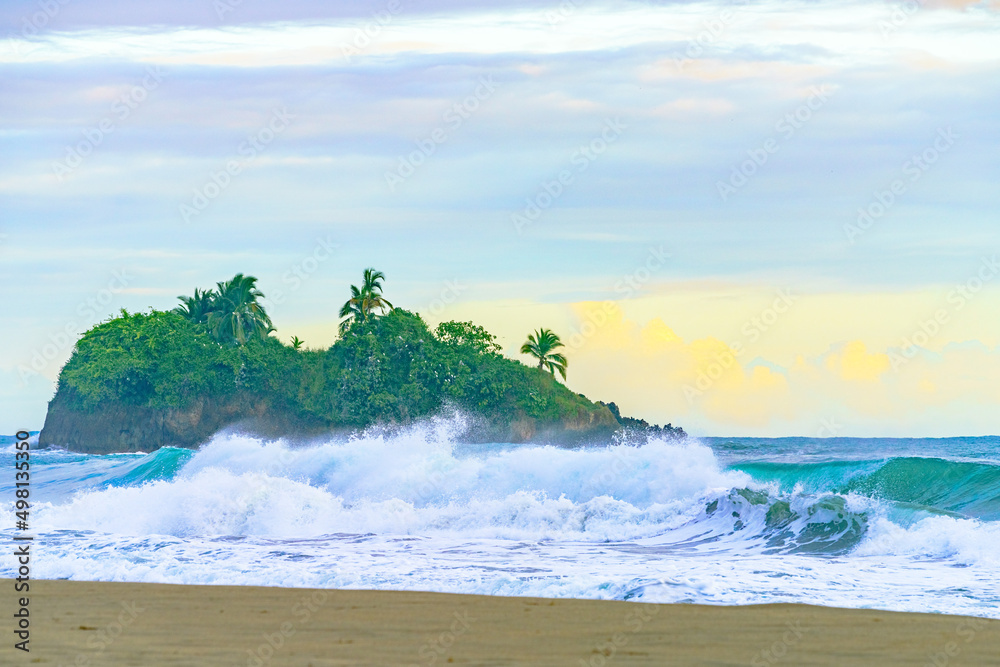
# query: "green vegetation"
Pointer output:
{"type": "Point", "coordinates": [467, 335]}
{"type": "Point", "coordinates": [542, 345]}
{"type": "Point", "coordinates": [232, 313]}
{"type": "Point", "coordinates": [389, 369]}
{"type": "Point", "coordinates": [148, 379]}
{"type": "Point", "coordinates": [385, 368]}
{"type": "Point", "coordinates": [196, 308]}
{"type": "Point", "coordinates": [364, 301]}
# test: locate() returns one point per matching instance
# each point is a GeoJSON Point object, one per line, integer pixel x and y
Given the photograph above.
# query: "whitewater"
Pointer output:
{"type": "Point", "coordinates": [907, 525]}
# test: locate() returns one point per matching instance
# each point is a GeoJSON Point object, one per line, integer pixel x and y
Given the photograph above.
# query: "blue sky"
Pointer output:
{"type": "Point", "coordinates": [823, 106]}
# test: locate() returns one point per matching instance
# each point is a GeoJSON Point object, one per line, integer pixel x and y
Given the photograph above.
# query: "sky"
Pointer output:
{"type": "Point", "coordinates": [761, 218]}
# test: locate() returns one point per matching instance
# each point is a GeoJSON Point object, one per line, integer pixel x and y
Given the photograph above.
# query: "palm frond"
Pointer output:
{"type": "Point", "coordinates": [542, 345]}
{"type": "Point", "coordinates": [365, 300]}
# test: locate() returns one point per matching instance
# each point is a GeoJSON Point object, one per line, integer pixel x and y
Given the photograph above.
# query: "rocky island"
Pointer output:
{"type": "Point", "coordinates": [141, 381]}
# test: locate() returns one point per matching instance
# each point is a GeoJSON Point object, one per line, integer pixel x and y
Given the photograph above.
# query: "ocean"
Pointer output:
{"type": "Point", "coordinates": [896, 524]}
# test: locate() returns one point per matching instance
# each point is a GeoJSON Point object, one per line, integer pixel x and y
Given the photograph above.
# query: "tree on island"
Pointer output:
{"type": "Point", "coordinates": [210, 362]}
{"type": "Point", "coordinates": [238, 315]}
{"type": "Point", "coordinates": [467, 334]}
{"type": "Point", "coordinates": [364, 300]}
{"type": "Point", "coordinates": [232, 312]}
{"type": "Point", "coordinates": [196, 308]}
{"type": "Point", "coordinates": [542, 345]}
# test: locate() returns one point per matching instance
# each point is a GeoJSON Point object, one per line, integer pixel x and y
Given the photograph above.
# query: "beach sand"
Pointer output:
{"type": "Point", "coordinates": [83, 623]}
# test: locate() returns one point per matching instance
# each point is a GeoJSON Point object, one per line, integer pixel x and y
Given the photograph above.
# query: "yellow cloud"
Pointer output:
{"type": "Point", "coordinates": [819, 369]}
{"type": "Point", "coordinates": [656, 334]}
{"type": "Point", "coordinates": [856, 364]}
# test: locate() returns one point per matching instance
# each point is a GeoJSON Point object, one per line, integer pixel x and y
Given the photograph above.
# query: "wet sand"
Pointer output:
{"type": "Point", "coordinates": [91, 624]}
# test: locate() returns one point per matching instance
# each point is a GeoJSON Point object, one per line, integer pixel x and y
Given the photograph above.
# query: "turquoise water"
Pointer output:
{"type": "Point", "coordinates": [887, 523]}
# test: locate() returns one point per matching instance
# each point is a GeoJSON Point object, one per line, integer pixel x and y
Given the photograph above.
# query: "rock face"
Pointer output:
{"type": "Point", "coordinates": [143, 381]}
{"type": "Point", "coordinates": [114, 428]}
{"type": "Point", "coordinates": [638, 431]}
{"type": "Point", "coordinates": [581, 429]}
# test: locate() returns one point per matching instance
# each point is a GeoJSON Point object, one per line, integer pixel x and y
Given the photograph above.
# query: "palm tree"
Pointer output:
{"type": "Point", "coordinates": [541, 345]}
{"type": "Point", "coordinates": [238, 316]}
{"type": "Point", "coordinates": [297, 343]}
{"type": "Point", "coordinates": [353, 310]}
{"type": "Point", "coordinates": [364, 300]}
{"type": "Point", "coordinates": [196, 308]}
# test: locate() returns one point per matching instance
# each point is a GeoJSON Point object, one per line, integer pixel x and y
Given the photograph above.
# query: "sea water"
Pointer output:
{"type": "Point", "coordinates": [908, 525]}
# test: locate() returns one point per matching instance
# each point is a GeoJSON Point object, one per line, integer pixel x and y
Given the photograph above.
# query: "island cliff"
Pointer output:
{"type": "Point", "coordinates": [147, 380]}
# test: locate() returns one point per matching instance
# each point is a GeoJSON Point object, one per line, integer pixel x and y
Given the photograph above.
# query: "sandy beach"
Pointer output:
{"type": "Point", "coordinates": [84, 623]}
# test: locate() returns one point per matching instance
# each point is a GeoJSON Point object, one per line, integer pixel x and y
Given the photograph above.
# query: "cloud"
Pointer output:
{"type": "Point", "coordinates": [689, 125]}
{"type": "Point", "coordinates": [83, 14]}
{"type": "Point", "coordinates": [855, 363]}
{"type": "Point", "coordinates": [694, 106]}
{"type": "Point", "coordinates": [695, 32]}
{"type": "Point", "coordinates": [707, 384]}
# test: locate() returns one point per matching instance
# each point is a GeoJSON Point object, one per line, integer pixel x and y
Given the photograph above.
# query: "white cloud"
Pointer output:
{"type": "Point", "coordinates": [845, 33]}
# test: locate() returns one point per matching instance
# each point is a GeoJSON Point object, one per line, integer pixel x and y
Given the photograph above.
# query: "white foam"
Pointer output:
{"type": "Point", "coordinates": [415, 511]}
{"type": "Point", "coordinates": [962, 541]}
{"type": "Point", "coordinates": [424, 468]}
{"type": "Point", "coordinates": [414, 483]}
